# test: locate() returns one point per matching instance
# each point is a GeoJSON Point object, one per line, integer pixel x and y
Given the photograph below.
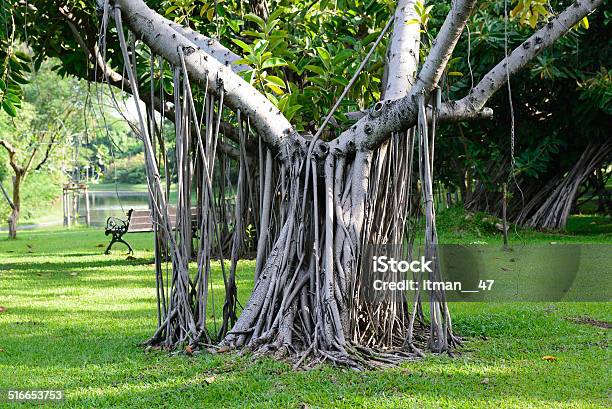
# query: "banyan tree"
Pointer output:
{"type": "Point", "coordinates": [317, 203]}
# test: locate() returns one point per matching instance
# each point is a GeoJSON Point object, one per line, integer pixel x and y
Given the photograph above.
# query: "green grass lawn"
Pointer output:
{"type": "Point", "coordinates": [73, 319]}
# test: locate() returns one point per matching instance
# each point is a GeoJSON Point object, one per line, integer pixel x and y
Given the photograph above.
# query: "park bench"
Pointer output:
{"type": "Point", "coordinates": [139, 221]}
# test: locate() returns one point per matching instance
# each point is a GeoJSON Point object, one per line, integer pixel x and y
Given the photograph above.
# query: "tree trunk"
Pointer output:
{"type": "Point", "coordinates": [553, 212]}
{"type": "Point", "coordinates": [333, 200]}
{"type": "Point", "coordinates": [13, 218]}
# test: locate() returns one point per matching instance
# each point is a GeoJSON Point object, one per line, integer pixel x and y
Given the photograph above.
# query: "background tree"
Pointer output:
{"type": "Point", "coordinates": [536, 155]}
{"type": "Point", "coordinates": [29, 139]}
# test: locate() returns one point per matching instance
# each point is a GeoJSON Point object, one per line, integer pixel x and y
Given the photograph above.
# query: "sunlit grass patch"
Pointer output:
{"type": "Point", "coordinates": [75, 317]}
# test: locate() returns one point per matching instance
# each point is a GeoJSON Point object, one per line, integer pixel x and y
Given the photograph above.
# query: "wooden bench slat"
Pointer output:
{"type": "Point", "coordinates": [142, 220]}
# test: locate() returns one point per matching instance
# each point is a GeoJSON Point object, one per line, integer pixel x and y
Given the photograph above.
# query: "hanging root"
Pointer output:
{"type": "Point", "coordinates": [314, 215]}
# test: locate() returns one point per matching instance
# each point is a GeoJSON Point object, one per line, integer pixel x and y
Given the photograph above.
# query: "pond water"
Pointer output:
{"type": "Point", "coordinates": [104, 204]}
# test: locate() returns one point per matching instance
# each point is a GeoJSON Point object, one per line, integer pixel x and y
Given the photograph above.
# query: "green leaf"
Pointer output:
{"type": "Point", "coordinates": [276, 80]}
{"type": "Point", "coordinates": [340, 80]}
{"type": "Point", "coordinates": [9, 108]}
{"type": "Point", "coordinates": [324, 54]}
{"type": "Point", "coordinates": [317, 80]}
{"type": "Point", "coordinates": [274, 62]}
{"type": "Point", "coordinates": [242, 45]}
{"type": "Point", "coordinates": [255, 19]}
{"type": "Point", "coordinates": [453, 61]}
{"type": "Point", "coordinates": [275, 88]}
{"type": "Point", "coordinates": [245, 61]}
{"type": "Point", "coordinates": [291, 111]}
{"type": "Point", "coordinates": [314, 68]}
{"type": "Point", "coordinates": [260, 46]}
{"type": "Point", "coordinates": [343, 55]}
{"type": "Point", "coordinates": [171, 9]}
{"type": "Point", "coordinates": [210, 14]}
{"type": "Point", "coordinates": [251, 33]}
{"type": "Point", "coordinates": [18, 78]}
{"type": "Point", "coordinates": [234, 24]}
{"type": "Point", "coordinates": [23, 56]}
{"type": "Point", "coordinates": [418, 6]}
{"type": "Point", "coordinates": [272, 98]}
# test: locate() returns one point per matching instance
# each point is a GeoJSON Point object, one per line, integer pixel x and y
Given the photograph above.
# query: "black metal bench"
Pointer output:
{"type": "Point", "coordinates": [117, 228]}
{"type": "Point", "coordinates": [139, 221]}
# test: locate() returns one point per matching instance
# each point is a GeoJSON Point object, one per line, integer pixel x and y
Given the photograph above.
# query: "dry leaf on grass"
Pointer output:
{"type": "Point", "coordinates": [549, 358]}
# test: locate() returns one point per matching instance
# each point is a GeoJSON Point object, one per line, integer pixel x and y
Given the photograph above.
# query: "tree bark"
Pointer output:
{"type": "Point", "coordinates": [13, 218]}
{"type": "Point", "coordinates": [309, 297]}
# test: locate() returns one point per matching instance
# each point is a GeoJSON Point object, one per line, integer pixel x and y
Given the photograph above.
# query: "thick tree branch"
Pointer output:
{"type": "Point", "coordinates": [403, 55]}
{"type": "Point", "coordinates": [443, 46]}
{"type": "Point", "coordinates": [524, 53]}
{"type": "Point", "coordinates": [270, 123]}
{"type": "Point", "coordinates": [210, 46]}
{"type": "Point", "coordinates": [117, 80]}
{"type": "Point", "coordinates": [398, 115]}
{"type": "Point", "coordinates": [93, 55]}
{"type": "Point", "coordinates": [12, 155]}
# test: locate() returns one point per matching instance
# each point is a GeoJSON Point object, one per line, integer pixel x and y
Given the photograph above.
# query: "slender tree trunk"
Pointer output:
{"type": "Point", "coordinates": [552, 214]}
{"type": "Point", "coordinates": [13, 218]}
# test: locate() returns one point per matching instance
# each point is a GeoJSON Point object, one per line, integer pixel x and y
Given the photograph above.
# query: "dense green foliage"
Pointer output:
{"type": "Point", "coordinates": [560, 103]}
{"type": "Point", "coordinates": [83, 141]}
{"type": "Point", "coordinates": [303, 54]}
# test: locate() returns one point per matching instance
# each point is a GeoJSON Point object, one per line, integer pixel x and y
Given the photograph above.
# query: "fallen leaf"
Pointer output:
{"type": "Point", "coordinates": [549, 358]}
{"type": "Point", "coordinates": [485, 381]}
{"type": "Point", "coordinates": [209, 379]}
{"type": "Point", "coordinates": [2, 309]}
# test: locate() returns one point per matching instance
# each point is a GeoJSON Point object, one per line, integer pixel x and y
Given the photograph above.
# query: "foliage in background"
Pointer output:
{"type": "Point", "coordinates": [56, 115]}
{"type": "Point", "coordinates": [303, 53]}
{"type": "Point", "coordinates": [130, 170]}
{"type": "Point", "coordinates": [561, 102]}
